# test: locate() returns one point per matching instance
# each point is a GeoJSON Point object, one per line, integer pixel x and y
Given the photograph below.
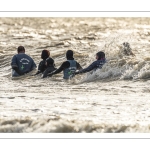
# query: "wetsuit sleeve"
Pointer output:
{"type": "Point", "coordinates": [79, 66]}
{"type": "Point", "coordinates": [45, 73]}
{"type": "Point", "coordinates": [62, 67]}
{"type": "Point", "coordinates": [14, 62]}
{"type": "Point", "coordinates": [41, 67]}
{"type": "Point", "coordinates": [48, 71]}
{"type": "Point", "coordinates": [15, 66]}
{"type": "Point", "coordinates": [89, 68]}
{"type": "Point", "coordinates": [18, 71]}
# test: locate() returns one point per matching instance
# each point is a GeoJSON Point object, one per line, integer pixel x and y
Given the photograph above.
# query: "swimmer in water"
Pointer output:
{"type": "Point", "coordinates": [98, 64]}
{"type": "Point", "coordinates": [42, 67]}
{"type": "Point", "coordinates": [21, 63]}
{"type": "Point", "coordinates": [50, 67]}
{"type": "Point", "coordinates": [68, 67]}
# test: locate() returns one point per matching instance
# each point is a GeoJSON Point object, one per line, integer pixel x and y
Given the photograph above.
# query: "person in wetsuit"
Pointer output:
{"type": "Point", "coordinates": [50, 67]}
{"type": "Point", "coordinates": [21, 63]}
{"type": "Point", "coordinates": [42, 67]}
{"type": "Point", "coordinates": [98, 64]}
{"type": "Point", "coordinates": [68, 67]}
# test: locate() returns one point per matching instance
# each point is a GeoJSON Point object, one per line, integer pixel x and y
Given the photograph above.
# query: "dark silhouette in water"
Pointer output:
{"type": "Point", "coordinates": [22, 63]}
{"type": "Point", "coordinates": [68, 67]}
{"type": "Point", "coordinates": [100, 56]}
{"type": "Point", "coordinates": [50, 67]}
{"type": "Point", "coordinates": [42, 67]}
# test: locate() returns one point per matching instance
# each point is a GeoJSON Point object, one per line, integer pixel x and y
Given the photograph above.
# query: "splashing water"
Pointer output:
{"type": "Point", "coordinates": [121, 62]}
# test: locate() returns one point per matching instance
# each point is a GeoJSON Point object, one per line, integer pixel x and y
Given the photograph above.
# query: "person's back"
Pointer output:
{"type": "Point", "coordinates": [22, 63]}
{"type": "Point", "coordinates": [71, 70]}
{"type": "Point", "coordinates": [68, 67]}
{"type": "Point", "coordinates": [42, 67]}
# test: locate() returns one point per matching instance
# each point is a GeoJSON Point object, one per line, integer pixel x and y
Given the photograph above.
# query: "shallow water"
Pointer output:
{"type": "Point", "coordinates": [113, 99]}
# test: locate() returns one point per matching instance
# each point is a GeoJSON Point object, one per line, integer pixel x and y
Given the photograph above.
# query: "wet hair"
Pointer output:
{"type": "Point", "coordinates": [101, 55]}
{"type": "Point", "coordinates": [69, 54]}
{"type": "Point", "coordinates": [45, 54]}
{"type": "Point", "coordinates": [50, 62]}
{"type": "Point", "coordinates": [20, 49]}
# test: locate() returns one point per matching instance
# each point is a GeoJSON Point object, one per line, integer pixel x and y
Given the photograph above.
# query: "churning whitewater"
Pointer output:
{"type": "Point", "coordinates": [115, 98]}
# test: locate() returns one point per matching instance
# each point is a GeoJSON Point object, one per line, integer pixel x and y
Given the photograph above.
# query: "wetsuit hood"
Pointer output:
{"type": "Point", "coordinates": [45, 54]}
{"type": "Point", "coordinates": [101, 55]}
{"type": "Point", "coordinates": [69, 55]}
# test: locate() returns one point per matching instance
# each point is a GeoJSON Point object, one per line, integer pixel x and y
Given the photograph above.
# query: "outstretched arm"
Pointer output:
{"type": "Point", "coordinates": [79, 66]}
{"type": "Point", "coordinates": [60, 69]}
{"type": "Point", "coordinates": [65, 65]}
{"type": "Point", "coordinates": [54, 72]}
{"type": "Point", "coordinates": [47, 72]}
{"type": "Point", "coordinates": [89, 68]}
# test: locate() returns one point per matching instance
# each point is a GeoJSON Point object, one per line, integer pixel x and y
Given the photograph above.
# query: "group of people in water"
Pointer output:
{"type": "Point", "coordinates": [22, 64]}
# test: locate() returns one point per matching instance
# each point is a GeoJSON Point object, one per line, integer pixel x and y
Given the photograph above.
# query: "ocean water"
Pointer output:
{"type": "Point", "coordinates": [115, 98]}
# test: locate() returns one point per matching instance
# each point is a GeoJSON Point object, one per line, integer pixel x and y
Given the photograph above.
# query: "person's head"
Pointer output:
{"type": "Point", "coordinates": [49, 62]}
{"type": "Point", "coordinates": [69, 54]}
{"type": "Point", "coordinates": [45, 54]}
{"type": "Point", "coordinates": [100, 55]}
{"type": "Point", "coordinates": [21, 49]}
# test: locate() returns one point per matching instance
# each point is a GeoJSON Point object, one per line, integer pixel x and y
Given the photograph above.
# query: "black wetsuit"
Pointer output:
{"type": "Point", "coordinates": [95, 65]}
{"type": "Point", "coordinates": [50, 67]}
{"type": "Point", "coordinates": [42, 67]}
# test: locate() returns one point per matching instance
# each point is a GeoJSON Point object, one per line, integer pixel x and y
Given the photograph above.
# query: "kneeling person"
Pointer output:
{"type": "Point", "coordinates": [22, 63]}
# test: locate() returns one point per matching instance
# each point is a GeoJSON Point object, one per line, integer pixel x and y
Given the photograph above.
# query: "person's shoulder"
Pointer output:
{"type": "Point", "coordinates": [77, 62]}
{"type": "Point", "coordinates": [95, 61]}
{"type": "Point", "coordinates": [26, 55]}
{"type": "Point", "coordinates": [51, 58]}
{"type": "Point", "coordinates": [14, 57]}
{"type": "Point", "coordinates": [103, 61]}
{"type": "Point", "coordinates": [65, 62]}
{"type": "Point", "coordinates": [42, 62]}
{"type": "Point", "coordinates": [71, 61]}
